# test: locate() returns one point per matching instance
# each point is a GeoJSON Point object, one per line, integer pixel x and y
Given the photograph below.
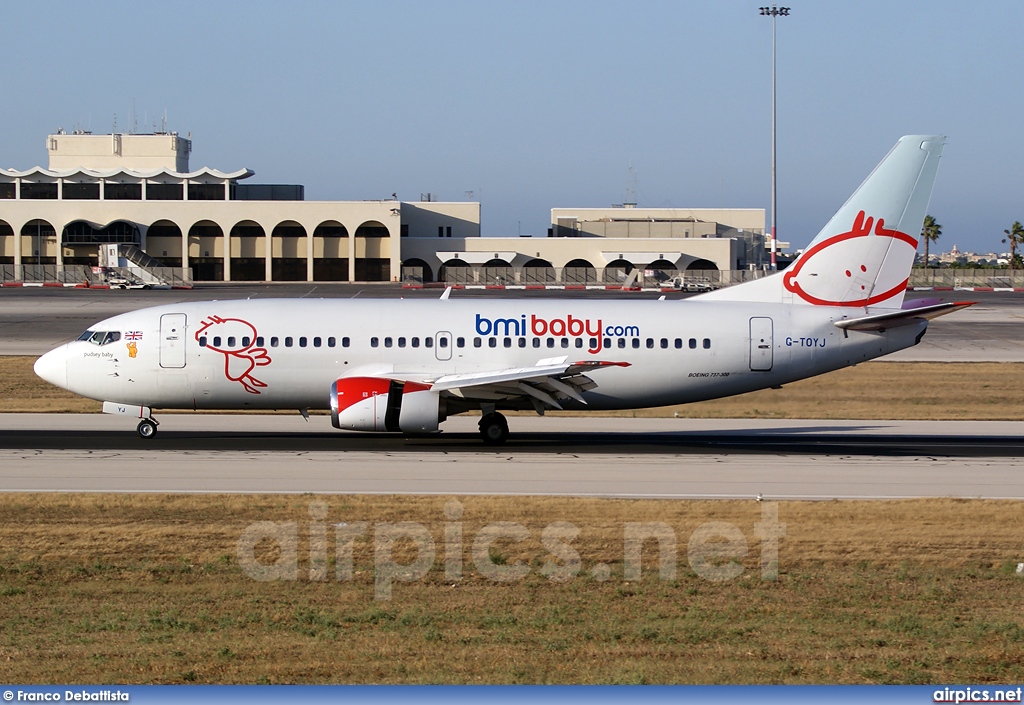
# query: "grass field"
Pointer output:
{"type": "Point", "coordinates": [876, 390]}
{"type": "Point", "coordinates": [149, 588]}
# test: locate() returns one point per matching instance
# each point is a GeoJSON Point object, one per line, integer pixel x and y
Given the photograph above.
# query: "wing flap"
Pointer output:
{"type": "Point", "coordinates": [544, 383]}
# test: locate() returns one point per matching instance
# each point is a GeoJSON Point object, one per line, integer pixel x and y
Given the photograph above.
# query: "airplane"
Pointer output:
{"type": "Point", "coordinates": [406, 365]}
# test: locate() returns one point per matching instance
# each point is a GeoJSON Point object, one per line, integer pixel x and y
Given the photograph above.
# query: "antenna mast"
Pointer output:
{"type": "Point", "coordinates": [630, 201]}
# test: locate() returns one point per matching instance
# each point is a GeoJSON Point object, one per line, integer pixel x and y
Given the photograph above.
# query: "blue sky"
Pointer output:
{"type": "Point", "coordinates": [532, 105]}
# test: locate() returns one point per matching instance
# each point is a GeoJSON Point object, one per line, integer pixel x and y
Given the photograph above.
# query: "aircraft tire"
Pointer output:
{"type": "Point", "coordinates": [147, 428]}
{"type": "Point", "coordinates": [494, 429]}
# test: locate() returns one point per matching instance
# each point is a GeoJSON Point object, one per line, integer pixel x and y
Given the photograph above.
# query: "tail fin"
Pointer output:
{"type": "Point", "coordinates": [863, 256]}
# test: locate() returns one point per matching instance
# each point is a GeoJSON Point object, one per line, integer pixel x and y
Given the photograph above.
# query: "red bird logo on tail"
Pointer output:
{"type": "Point", "coordinates": [853, 268]}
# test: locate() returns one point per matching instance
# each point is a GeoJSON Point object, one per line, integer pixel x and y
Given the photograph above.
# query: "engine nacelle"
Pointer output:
{"type": "Point", "coordinates": [379, 404]}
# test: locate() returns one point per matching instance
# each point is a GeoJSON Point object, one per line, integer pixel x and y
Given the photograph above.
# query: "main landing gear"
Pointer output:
{"type": "Point", "coordinates": [493, 429]}
{"type": "Point", "coordinates": [147, 427]}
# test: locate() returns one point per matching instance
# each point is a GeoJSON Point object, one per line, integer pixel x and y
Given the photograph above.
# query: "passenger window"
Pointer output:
{"type": "Point", "coordinates": [289, 341]}
{"type": "Point", "coordinates": [401, 342]}
{"type": "Point", "coordinates": [650, 342]}
{"type": "Point", "coordinates": [344, 342]}
{"type": "Point", "coordinates": [622, 342]}
{"type": "Point", "coordinates": [522, 342]}
{"type": "Point", "coordinates": [551, 342]}
{"type": "Point", "coordinates": [415, 342]}
{"type": "Point", "coordinates": [216, 341]}
{"type": "Point", "coordinates": [246, 340]}
{"type": "Point", "coordinates": [636, 342]}
{"type": "Point", "coordinates": [679, 343]}
{"type": "Point", "coordinates": [477, 342]}
{"type": "Point", "coordinates": [536, 342]}
{"type": "Point", "coordinates": [707, 343]}
{"type": "Point", "coordinates": [302, 341]}
{"type": "Point", "coordinates": [231, 341]}
{"type": "Point", "coordinates": [492, 342]}
{"type": "Point", "coordinates": [259, 341]}
{"type": "Point", "coordinates": [508, 342]}
{"type": "Point", "coordinates": [664, 342]}
{"type": "Point", "coordinates": [428, 342]}
{"type": "Point", "coordinates": [442, 342]}
{"type": "Point", "coordinates": [202, 342]}
{"type": "Point", "coordinates": [317, 342]}
{"type": "Point", "coordinates": [579, 342]}
{"type": "Point", "coordinates": [693, 343]}
{"type": "Point", "coordinates": [388, 342]}
{"type": "Point", "coordinates": [273, 341]}
{"type": "Point", "coordinates": [461, 342]}
{"type": "Point", "coordinates": [565, 342]}
{"type": "Point", "coordinates": [607, 342]}
{"type": "Point", "coordinates": [374, 342]}
{"type": "Point", "coordinates": [331, 342]}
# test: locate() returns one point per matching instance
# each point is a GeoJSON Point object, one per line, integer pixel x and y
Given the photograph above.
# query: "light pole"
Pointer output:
{"type": "Point", "coordinates": [773, 12]}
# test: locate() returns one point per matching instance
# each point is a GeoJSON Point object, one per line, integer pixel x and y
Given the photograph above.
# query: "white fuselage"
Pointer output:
{"type": "Point", "coordinates": [208, 355]}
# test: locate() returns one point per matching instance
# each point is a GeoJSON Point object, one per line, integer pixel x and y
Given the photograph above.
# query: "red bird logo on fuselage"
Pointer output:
{"type": "Point", "coordinates": [236, 340]}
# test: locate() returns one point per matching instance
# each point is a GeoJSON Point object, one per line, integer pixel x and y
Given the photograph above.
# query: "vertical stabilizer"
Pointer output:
{"type": "Point", "coordinates": [863, 256]}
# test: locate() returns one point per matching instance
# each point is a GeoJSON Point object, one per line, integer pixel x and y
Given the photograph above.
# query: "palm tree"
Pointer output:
{"type": "Point", "coordinates": [929, 233]}
{"type": "Point", "coordinates": [1015, 236]}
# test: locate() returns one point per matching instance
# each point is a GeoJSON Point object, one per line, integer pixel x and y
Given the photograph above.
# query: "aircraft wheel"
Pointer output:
{"type": "Point", "coordinates": [147, 428]}
{"type": "Point", "coordinates": [494, 429]}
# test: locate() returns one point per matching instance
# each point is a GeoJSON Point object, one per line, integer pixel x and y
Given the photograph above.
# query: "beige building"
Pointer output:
{"type": "Point", "coordinates": [594, 241]}
{"type": "Point", "coordinates": [138, 190]}
{"type": "Point", "coordinates": [118, 151]}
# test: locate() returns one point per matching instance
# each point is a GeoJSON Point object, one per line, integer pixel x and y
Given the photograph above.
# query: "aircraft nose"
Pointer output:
{"type": "Point", "coordinates": [53, 366]}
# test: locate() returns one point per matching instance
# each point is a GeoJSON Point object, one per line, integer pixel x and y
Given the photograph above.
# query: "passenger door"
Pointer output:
{"type": "Point", "coordinates": [172, 340]}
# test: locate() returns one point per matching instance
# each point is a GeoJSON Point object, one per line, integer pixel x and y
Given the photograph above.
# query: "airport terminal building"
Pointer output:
{"type": "Point", "coordinates": [137, 190]}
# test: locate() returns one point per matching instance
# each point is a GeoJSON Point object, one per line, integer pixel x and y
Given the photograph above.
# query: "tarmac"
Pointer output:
{"type": "Point", "coordinates": [583, 456]}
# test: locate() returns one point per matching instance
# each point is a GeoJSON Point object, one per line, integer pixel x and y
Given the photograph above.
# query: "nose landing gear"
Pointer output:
{"type": "Point", "coordinates": [147, 428]}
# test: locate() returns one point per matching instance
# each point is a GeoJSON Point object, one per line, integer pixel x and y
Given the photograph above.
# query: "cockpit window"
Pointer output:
{"type": "Point", "coordinates": [100, 337]}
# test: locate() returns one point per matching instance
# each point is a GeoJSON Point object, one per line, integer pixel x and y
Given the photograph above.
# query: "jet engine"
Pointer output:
{"type": "Point", "coordinates": [379, 404]}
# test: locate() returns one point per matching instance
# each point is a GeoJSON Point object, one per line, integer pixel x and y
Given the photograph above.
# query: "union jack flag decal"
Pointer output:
{"type": "Point", "coordinates": [133, 335]}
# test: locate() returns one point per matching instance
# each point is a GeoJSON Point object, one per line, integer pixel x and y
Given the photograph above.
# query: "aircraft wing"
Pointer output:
{"type": "Point", "coordinates": [542, 384]}
{"type": "Point", "coordinates": [892, 319]}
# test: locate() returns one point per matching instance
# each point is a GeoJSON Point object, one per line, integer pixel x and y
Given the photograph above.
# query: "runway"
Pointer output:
{"type": "Point", "coordinates": [584, 456]}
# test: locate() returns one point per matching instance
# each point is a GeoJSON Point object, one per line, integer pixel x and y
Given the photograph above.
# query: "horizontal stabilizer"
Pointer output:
{"type": "Point", "coordinates": [892, 319]}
